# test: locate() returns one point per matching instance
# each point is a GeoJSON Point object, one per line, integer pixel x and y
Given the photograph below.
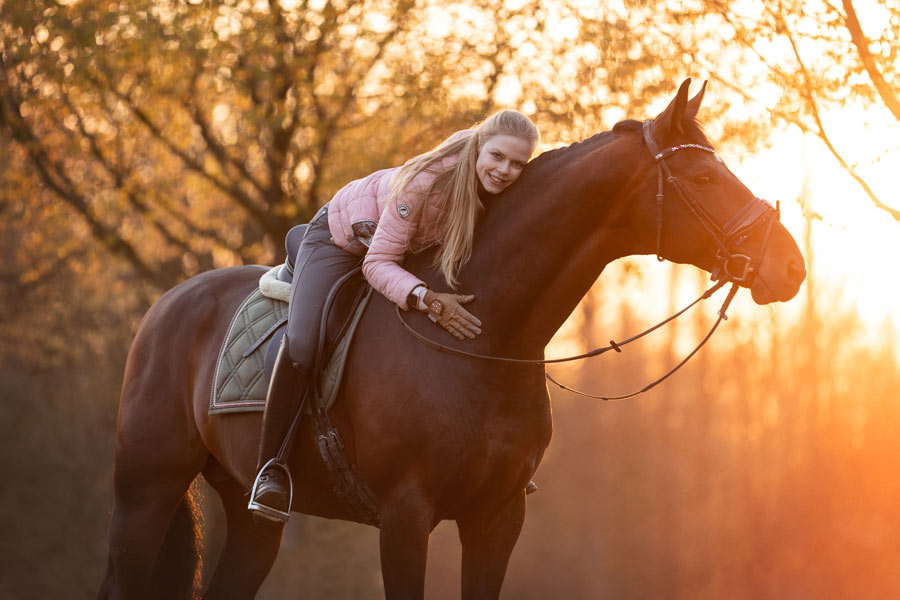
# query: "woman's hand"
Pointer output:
{"type": "Point", "coordinates": [451, 315]}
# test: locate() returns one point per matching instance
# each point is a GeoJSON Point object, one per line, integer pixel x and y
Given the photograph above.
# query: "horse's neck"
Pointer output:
{"type": "Point", "coordinates": [544, 247]}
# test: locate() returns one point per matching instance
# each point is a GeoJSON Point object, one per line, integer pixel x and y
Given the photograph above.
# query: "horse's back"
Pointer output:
{"type": "Point", "coordinates": [177, 329]}
{"type": "Point", "coordinates": [200, 297]}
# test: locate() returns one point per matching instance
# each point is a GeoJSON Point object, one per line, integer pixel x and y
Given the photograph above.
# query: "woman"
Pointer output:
{"type": "Point", "coordinates": [434, 198]}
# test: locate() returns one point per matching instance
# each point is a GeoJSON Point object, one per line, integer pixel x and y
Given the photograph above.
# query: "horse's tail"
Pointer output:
{"type": "Point", "coordinates": [178, 570]}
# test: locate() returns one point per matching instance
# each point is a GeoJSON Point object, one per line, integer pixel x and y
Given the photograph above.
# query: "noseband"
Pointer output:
{"type": "Point", "coordinates": [730, 265]}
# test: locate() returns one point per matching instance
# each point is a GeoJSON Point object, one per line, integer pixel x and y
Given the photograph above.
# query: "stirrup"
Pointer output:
{"type": "Point", "coordinates": [267, 512]}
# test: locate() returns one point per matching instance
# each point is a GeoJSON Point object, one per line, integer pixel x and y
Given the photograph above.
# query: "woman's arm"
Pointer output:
{"type": "Point", "coordinates": [381, 265]}
{"type": "Point", "coordinates": [398, 225]}
{"type": "Point", "coordinates": [382, 269]}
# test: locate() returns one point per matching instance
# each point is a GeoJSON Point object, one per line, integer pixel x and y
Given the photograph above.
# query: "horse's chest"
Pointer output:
{"type": "Point", "coordinates": [499, 446]}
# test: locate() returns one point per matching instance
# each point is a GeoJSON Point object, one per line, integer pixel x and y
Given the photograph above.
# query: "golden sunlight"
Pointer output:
{"type": "Point", "coordinates": [147, 143]}
{"type": "Point", "coordinates": [855, 243]}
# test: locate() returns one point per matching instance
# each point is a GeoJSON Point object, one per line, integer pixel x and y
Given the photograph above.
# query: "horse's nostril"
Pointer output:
{"type": "Point", "coordinates": [796, 271]}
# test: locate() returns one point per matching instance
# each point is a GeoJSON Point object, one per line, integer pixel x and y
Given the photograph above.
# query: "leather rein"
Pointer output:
{"type": "Point", "coordinates": [731, 267]}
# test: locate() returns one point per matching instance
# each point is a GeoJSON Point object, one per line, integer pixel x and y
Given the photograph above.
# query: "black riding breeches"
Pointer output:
{"type": "Point", "coordinates": [318, 265]}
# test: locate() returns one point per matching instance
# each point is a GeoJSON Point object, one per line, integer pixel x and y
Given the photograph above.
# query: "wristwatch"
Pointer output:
{"type": "Point", "coordinates": [416, 298]}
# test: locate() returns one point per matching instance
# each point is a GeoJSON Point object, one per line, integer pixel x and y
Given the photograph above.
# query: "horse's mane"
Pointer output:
{"type": "Point", "coordinates": [693, 133]}
{"type": "Point", "coordinates": [574, 149]}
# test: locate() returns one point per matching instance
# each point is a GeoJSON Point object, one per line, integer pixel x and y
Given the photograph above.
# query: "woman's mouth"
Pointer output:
{"type": "Point", "coordinates": [496, 180]}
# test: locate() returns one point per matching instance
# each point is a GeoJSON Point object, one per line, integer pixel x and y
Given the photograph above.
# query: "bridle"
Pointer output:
{"type": "Point", "coordinates": [731, 267]}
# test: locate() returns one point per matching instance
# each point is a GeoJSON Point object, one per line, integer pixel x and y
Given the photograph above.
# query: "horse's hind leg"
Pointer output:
{"type": "Point", "coordinates": [140, 522]}
{"type": "Point", "coordinates": [487, 543]}
{"type": "Point", "coordinates": [250, 548]}
{"type": "Point", "coordinates": [157, 458]}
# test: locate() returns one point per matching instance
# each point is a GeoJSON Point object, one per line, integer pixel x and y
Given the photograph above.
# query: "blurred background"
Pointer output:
{"type": "Point", "coordinates": [145, 141]}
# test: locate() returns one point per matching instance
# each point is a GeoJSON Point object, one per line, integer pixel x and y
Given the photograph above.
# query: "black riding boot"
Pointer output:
{"type": "Point", "coordinates": [272, 489]}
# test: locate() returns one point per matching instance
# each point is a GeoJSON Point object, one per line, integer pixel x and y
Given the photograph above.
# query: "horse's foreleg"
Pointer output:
{"type": "Point", "coordinates": [487, 543]}
{"type": "Point", "coordinates": [406, 524]}
{"type": "Point", "coordinates": [250, 547]}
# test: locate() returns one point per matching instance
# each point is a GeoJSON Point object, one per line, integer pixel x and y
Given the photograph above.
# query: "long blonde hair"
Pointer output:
{"type": "Point", "coordinates": [460, 182]}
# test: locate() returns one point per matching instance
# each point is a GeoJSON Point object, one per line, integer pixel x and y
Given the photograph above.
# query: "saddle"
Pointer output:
{"type": "Point", "coordinates": [247, 356]}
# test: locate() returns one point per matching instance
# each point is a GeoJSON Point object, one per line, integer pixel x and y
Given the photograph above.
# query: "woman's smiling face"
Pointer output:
{"type": "Point", "coordinates": [500, 161]}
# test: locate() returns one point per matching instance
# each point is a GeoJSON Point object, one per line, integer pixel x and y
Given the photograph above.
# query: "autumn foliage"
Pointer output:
{"type": "Point", "coordinates": [143, 142]}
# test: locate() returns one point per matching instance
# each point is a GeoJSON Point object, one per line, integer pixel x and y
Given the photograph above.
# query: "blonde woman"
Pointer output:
{"type": "Point", "coordinates": [435, 198]}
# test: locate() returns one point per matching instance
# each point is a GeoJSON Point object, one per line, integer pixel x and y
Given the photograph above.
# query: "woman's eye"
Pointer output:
{"type": "Point", "coordinates": [495, 155]}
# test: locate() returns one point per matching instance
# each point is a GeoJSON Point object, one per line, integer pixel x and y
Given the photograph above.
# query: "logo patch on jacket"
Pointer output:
{"type": "Point", "coordinates": [403, 210]}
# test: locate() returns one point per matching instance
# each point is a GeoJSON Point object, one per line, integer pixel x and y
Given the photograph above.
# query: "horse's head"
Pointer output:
{"type": "Point", "coordinates": [708, 217]}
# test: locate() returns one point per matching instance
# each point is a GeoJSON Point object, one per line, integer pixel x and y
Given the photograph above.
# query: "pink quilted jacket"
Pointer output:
{"type": "Point", "coordinates": [361, 223]}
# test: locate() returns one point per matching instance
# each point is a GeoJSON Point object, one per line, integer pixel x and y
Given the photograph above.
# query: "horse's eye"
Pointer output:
{"type": "Point", "coordinates": [702, 180]}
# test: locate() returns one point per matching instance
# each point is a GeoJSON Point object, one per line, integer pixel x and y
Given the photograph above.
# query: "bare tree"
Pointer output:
{"type": "Point", "coordinates": [801, 61]}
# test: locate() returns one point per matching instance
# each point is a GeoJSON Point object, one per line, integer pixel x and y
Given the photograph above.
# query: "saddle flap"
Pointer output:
{"type": "Point", "coordinates": [245, 361]}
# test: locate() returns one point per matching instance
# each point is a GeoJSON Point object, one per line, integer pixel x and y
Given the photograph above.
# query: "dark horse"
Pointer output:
{"type": "Point", "coordinates": [435, 436]}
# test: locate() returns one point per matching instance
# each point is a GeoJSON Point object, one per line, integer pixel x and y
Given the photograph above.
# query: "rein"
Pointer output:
{"type": "Point", "coordinates": [739, 227]}
{"type": "Point", "coordinates": [613, 345]}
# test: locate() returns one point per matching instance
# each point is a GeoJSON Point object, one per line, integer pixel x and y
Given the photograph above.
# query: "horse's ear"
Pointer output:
{"type": "Point", "coordinates": [693, 105]}
{"type": "Point", "coordinates": [669, 124]}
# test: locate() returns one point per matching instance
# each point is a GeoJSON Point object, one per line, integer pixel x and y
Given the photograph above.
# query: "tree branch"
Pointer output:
{"type": "Point", "coordinates": [806, 91]}
{"type": "Point", "coordinates": [330, 121]}
{"type": "Point", "coordinates": [868, 62]}
{"type": "Point", "coordinates": [814, 110]}
{"type": "Point", "coordinates": [55, 179]}
{"type": "Point", "coordinates": [119, 180]}
{"type": "Point", "coordinates": [894, 213]}
{"type": "Point", "coordinates": [232, 189]}
{"type": "Point", "coordinates": [218, 151]}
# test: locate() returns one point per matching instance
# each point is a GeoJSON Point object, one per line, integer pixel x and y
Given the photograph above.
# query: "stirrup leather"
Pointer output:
{"type": "Point", "coordinates": [273, 514]}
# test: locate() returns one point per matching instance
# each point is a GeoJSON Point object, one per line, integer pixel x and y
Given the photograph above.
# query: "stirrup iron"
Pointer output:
{"type": "Point", "coordinates": [267, 512]}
